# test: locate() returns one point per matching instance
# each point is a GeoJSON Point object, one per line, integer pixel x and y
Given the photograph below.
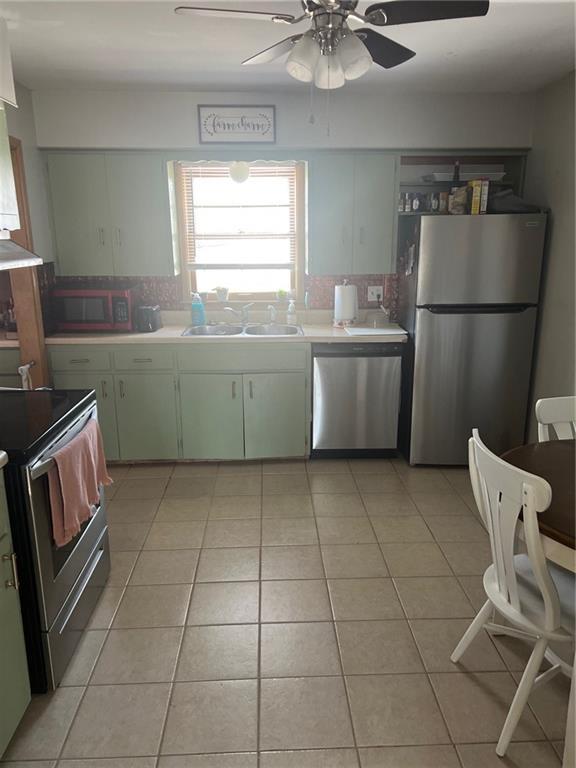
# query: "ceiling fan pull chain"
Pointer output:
{"type": "Point", "coordinates": [311, 116]}
{"type": "Point", "coordinates": [328, 107]}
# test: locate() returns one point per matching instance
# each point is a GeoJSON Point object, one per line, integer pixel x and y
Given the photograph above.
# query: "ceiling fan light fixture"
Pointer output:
{"type": "Point", "coordinates": [354, 55]}
{"type": "Point", "coordinates": [329, 73]}
{"type": "Point", "coordinates": [303, 59]}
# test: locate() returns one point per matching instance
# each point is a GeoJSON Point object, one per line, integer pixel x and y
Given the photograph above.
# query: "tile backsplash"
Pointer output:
{"type": "Point", "coordinates": [167, 291]}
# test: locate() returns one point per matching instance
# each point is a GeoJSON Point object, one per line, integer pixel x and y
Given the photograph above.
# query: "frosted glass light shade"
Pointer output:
{"type": "Point", "coordinates": [303, 58]}
{"type": "Point", "coordinates": [354, 55]}
{"type": "Point", "coordinates": [7, 92]}
{"type": "Point", "coordinates": [239, 171]}
{"type": "Point", "coordinates": [329, 73]}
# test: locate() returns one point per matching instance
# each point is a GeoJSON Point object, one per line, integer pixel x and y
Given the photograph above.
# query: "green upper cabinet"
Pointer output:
{"type": "Point", "coordinates": [14, 682]}
{"type": "Point", "coordinates": [111, 213]}
{"type": "Point", "coordinates": [330, 207]}
{"type": "Point", "coordinates": [140, 214]}
{"type": "Point", "coordinates": [274, 415]}
{"type": "Point", "coordinates": [81, 213]}
{"type": "Point", "coordinates": [374, 213]}
{"type": "Point", "coordinates": [351, 213]}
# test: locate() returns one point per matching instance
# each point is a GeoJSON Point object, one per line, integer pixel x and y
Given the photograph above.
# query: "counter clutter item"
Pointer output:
{"type": "Point", "coordinates": [345, 304]}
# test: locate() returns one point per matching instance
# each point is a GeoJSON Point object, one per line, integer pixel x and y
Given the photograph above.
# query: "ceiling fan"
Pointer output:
{"type": "Point", "coordinates": [330, 52]}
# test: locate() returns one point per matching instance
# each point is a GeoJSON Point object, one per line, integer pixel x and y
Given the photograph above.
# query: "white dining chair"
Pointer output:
{"type": "Point", "coordinates": [558, 413]}
{"type": "Point", "coordinates": [535, 597]}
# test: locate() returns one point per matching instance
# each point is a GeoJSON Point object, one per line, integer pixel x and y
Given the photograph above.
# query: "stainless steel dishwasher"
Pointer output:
{"type": "Point", "coordinates": [356, 398]}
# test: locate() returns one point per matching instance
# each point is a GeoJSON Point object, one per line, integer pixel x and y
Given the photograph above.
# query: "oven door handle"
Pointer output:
{"type": "Point", "coordinates": [37, 470]}
{"type": "Point", "coordinates": [80, 590]}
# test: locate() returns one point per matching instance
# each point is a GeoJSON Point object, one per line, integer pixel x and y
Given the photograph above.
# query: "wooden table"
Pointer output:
{"type": "Point", "coordinates": [555, 462]}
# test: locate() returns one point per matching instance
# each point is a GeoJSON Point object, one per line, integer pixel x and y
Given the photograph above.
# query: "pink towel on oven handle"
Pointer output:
{"type": "Point", "coordinates": [79, 468]}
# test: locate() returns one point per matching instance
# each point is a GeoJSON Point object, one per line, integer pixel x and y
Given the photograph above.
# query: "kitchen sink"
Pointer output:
{"type": "Point", "coordinates": [273, 330]}
{"type": "Point", "coordinates": [213, 330]}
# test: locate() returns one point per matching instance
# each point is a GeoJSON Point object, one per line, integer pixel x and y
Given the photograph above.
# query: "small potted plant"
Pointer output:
{"type": "Point", "coordinates": [221, 293]}
{"type": "Point", "coordinates": [282, 295]}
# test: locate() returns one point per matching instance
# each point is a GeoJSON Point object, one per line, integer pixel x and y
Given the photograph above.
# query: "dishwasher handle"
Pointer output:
{"type": "Point", "coordinates": [350, 349]}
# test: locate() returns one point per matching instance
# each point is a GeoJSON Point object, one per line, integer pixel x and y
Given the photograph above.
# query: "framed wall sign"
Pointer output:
{"type": "Point", "coordinates": [237, 124]}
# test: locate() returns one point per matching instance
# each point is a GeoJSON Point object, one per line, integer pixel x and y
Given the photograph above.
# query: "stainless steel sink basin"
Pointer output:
{"type": "Point", "coordinates": [273, 330]}
{"type": "Point", "coordinates": [213, 330]}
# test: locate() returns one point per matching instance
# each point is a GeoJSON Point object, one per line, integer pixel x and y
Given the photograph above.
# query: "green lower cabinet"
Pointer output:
{"type": "Point", "coordinates": [212, 416]}
{"type": "Point", "coordinates": [103, 384]}
{"type": "Point", "coordinates": [274, 415]}
{"type": "Point", "coordinates": [14, 682]}
{"type": "Point", "coordinates": [147, 415]}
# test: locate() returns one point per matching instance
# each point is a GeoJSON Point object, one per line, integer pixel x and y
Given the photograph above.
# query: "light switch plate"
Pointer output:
{"type": "Point", "coordinates": [375, 293]}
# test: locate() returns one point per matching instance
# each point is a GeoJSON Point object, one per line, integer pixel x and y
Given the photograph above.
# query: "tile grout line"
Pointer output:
{"type": "Point", "coordinates": [172, 683]}
{"type": "Point", "coordinates": [337, 641]}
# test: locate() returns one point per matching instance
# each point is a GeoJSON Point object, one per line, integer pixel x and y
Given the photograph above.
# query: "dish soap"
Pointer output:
{"type": "Point", "coordinates": [197, 312]}
{"type": "Point", "coordinates": [291, 318]}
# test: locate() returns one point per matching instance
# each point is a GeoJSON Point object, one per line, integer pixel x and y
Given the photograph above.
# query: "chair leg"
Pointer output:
{"type": "Point", "coordinates": [481, 618]}
{"type": "Point", "coordinates": [521, 696]}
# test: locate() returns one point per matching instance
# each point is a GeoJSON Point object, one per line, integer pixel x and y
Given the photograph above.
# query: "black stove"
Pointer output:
{"type": "Point", "coordinates": [30, 419]}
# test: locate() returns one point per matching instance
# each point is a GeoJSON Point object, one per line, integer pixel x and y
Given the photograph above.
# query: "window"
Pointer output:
{"type": "Point", "coordinates": [248, 236]}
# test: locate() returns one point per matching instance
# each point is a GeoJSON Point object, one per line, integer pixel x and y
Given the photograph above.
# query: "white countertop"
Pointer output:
{"type": "Point", "coordinates": [173, 334]}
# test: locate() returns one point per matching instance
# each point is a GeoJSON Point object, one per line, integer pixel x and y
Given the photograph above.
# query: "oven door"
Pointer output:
{"type": "Point", "coordinates": [59, 569]}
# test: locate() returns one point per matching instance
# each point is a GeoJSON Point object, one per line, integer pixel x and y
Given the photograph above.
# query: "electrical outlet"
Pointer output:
{"type": "Point", "coordinates": [375, 293]}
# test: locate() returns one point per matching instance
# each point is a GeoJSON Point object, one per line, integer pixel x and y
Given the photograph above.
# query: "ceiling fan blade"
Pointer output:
{"type": "Point", "coordinates": [384, 51]}
{"type": "Point", "coordinates": [412, 11]}
{"type": "Point", "coordinates": [285, 18]}
{"type": "Point", "coordinates": [274, 51]}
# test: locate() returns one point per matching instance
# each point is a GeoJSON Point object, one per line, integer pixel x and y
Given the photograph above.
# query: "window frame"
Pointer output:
{"type": "Point", "coordinates": [297, 271]}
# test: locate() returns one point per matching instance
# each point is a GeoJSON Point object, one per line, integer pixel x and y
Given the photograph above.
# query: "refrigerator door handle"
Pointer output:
{"type": "Point", "coordinates": [475, 309]}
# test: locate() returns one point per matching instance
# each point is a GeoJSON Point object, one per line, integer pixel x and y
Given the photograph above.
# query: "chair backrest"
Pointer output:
{"type": "Point", "coordinates": [556, 417]}
{"type": "Point", "coordinates": [502, 492]}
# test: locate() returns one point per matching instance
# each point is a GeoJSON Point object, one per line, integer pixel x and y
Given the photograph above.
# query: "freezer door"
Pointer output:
{"type": "Point", "coordinates": [470, 370]}
{"type": "Point", "coordinates": [492, 259]}
{"type": "Point", "coordinates": [356, 402]}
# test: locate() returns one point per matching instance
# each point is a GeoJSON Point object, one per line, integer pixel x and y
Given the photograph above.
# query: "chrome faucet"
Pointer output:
{"type": "Point", "coordinates": [272, 313]}
{"type": "Point", "coordinates": [241, 313]}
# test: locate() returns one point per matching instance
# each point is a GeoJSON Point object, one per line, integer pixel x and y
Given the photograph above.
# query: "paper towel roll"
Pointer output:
{"type": "Point", "coordinates": [345, 303]}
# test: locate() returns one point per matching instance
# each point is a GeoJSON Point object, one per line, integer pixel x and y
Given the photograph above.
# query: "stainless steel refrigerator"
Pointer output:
{"type": "Point", "coordinates": [469, 288]}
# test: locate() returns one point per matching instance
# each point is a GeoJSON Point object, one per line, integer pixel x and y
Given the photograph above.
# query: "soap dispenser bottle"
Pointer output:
{"type": "Point", "coordinates": [291, 318]}
{"type": "Point", "coordinates": [197, 312]}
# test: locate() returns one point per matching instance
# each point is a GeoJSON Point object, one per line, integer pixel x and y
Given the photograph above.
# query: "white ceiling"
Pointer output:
{"type": "Point", "coordinates": [518, 46]}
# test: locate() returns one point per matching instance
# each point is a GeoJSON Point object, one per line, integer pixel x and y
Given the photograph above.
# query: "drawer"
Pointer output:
{"type": "Point", "coordinates": [79, 359]}
{"type": "Point", "coordinates": [242, 357]}
{"type": "Point", "coordinates": [9, 361]}
{"type": "Point", "coordinates": [143, 359]}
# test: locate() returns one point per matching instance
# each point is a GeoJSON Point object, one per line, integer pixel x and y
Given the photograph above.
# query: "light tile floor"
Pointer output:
{"type": "Point", "coordinates": [290, 615]}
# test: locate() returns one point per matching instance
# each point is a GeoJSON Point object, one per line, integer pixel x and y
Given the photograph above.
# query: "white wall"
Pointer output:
{"type": "Point", "coordinates": [550, 182]}
{"type": "Point", "coordinates": [162, 120]}
{"type": "Point", "coordinates": [21, 125]}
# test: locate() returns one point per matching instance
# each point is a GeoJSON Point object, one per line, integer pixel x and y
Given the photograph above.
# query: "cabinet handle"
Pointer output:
{"type": "Point", "coordinates": [361, 236]}
{"type": "Point", "coordinates": [14, 581]}
{"type": "Point", "coordinates": [122, 391]}
{"type": "Point", "coordinates": [233, 390]}
{"type": "Point", "coordinates": [81, 360]}
{"type": "Point", "coordinates": [104, 390]}
{"type": "Point", "coordinates": [101, 236]}
{"type": "Point", "coordinates": [141, 359]}
{"type": "Point", "coordinates": [251, 389]}
{"type": "Point", "coordinates": [119, 236]}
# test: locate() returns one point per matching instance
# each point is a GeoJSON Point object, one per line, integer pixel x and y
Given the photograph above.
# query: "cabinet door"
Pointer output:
{"type": "Point", "coordinates": [374, 213]}
{"type": "Point", "coordinates": [103, 384]}
{"type": "Point", "coordinates": [212, 416]}
{"type": "Point", "coordinates": [146, 410]}
{"type": "Point", "coordinates": [274, 415]}
{"type": "Point", "coordinates": [140, 214]}
{"type": "Point", "coordinates": [81, 213]}
{"type": "Point", "coordinates": [14, 682]}
{"type": "Point", "coordinates": [330, 212]}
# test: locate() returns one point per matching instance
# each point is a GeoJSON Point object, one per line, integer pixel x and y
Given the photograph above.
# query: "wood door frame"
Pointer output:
{"type": "Point", "coordinates": [24, 282]}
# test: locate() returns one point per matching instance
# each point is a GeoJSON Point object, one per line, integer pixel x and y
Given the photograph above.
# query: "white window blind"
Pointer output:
{"type": "Point", "coordinates": [240, 235]}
